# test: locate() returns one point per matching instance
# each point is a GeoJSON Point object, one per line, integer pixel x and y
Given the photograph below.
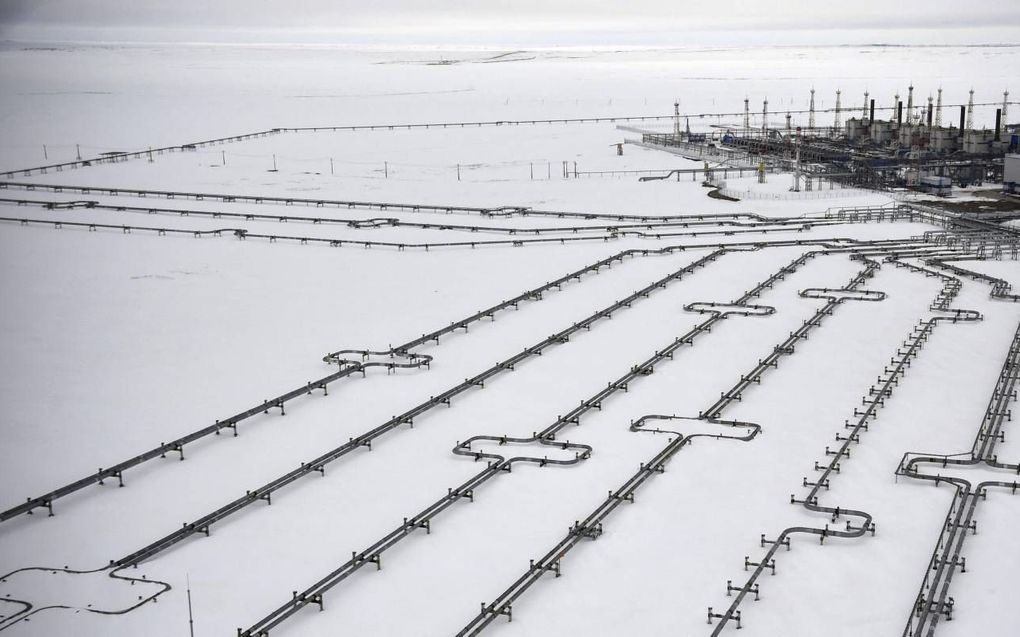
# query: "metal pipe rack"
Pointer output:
{"type": "Point", "coordinates": [931, 248]}
{"type": "Point", "coordinates": [499, 464]}
{"type": "Point", "coordinates": [876, 396]}
{"type": "Point", "coordinates": [346, 366]}
{"type": "Point", "coordinates": [505, 212]}
{"type": "Point", "coordinates": [933, 600]}
{"type": "Point", "coordinates": [503, 605]}
{"type": "Point", "coordinates": [628, 229]}
{"type": "Point", "coordinates": [366, 439]}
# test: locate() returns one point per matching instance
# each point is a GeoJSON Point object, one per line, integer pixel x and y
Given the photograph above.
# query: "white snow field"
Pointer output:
{"type": "Point", "coordinates": [574, 404]}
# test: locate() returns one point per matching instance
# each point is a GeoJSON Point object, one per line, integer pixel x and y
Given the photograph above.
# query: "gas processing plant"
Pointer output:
{"type": "Point", "coordinates": [928, 146]}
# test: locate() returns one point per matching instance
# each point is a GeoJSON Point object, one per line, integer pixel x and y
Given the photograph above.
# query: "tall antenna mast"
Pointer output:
{"type": "Point", "coordinates": [836, 122]}
{"type": "Point", "coordinates": [970, 111]}
{"type": "Point", "coordinates": [796, 172]}
{"type": "Point", "coordinates": [1005, 107]}
{"type": "Point", "coordinates": [811, 111]}
{"type": "Point", "coordinates": [938, 110]}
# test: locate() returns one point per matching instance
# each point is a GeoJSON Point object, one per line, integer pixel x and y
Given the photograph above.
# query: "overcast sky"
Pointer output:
{"type": "Point", "coordinates": [634, 22]}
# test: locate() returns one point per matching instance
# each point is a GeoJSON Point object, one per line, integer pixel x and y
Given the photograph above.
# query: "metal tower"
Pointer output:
{"type": "Point", "coordinates": [938, 110]}
{"type": "Point", "coordinates": [747, 114]}
{"type": "Point", "coordinates": [796, 172]}
{"type": "Point", "coordinates": [765, 116]}
{"type": "Point", "coordinates": [836, 121]}
{"type": "Point", "coordinates": [910, 104]}
{"type": "Point", "coordinates": [970, 111]}
{"type": "Point", "coordinates": [811, 111]}
{"type": "Point", "coordinates": [1005, 108]}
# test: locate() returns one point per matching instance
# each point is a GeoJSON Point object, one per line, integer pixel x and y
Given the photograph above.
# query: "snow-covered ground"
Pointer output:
{"type": "Point", "coordinates": [113, 342]}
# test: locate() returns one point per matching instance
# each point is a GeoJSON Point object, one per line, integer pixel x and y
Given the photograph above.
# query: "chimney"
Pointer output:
{"type": "Point", "coordinates": [871, 115]}
{"type": "Point", "coordinates": [929, 116]}
{"type": "Point", "coordinates": [899, 113]}
{"type": "Point", "coordinates": [998, 124]}
{"type": "Point", "coordinates": [963, 118]}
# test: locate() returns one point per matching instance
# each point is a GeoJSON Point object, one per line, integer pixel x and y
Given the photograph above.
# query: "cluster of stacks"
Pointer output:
{"type": "Point", "coordinates": [921, 129]}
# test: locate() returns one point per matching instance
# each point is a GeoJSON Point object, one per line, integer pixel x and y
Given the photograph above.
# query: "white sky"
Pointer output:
{"type": "Point", "coordinates": [635, 22]}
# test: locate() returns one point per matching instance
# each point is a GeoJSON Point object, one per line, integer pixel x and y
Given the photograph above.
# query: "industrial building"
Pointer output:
{"type": "Point", "coordinates": [1011, 174]}
{"type": "Point", "coordinates": [901, 146]}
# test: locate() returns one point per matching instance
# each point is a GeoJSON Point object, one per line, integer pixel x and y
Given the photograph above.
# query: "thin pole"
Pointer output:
{"type": "Point", "coordinates": [223, 154]}
{"type": "Point", "coordinates": [77, 148]}
{"type": "Point", "coordinates": [458, 172]}
{"type": "Point", "coordinates": [191, 618]}
{"type": "Point", "coordinates": [386, 169]}
{"type": "Point", "coordinates": [532, 171]}
{"type": "Point", "coordinates": [548, 167]}
{"type": "Point", "coordinates": [331, 165]}
{"type": "Point", "coordinates": [274, 162]}
{"type": "Point", "coordinates": [44, 153]}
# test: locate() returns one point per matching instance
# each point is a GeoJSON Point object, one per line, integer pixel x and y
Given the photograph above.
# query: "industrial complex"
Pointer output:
{"type": "Point", "coordinates": [914, 144]}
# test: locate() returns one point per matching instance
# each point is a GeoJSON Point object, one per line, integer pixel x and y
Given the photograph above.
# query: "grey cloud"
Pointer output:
{"type": "Point", "coordinates": [569, 16]}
